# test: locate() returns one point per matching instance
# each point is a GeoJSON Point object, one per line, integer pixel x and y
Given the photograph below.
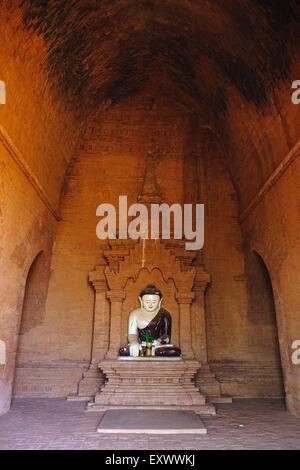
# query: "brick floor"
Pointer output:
{"type": "Point", "coordinates": [59, 424]}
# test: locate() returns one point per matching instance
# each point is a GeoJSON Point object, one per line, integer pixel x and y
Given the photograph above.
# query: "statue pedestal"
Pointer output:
{"type": "Point", "coordinates": [150, 383]}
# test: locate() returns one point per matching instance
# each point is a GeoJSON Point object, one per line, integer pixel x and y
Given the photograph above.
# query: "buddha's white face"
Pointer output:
{"type": "Point", "coordinates": [150, 302]}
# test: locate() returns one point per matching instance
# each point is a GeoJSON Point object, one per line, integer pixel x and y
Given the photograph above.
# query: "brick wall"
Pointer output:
{"type": "Point", "coordinates": [36, 134]}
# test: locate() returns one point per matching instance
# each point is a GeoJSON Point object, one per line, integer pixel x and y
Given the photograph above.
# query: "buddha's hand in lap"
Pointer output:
{"type": "Point", "coordinates": [134, 349]}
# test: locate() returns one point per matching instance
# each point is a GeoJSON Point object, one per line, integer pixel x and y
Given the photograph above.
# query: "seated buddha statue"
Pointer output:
{"type": "Point", "coordinates": [153, 320]}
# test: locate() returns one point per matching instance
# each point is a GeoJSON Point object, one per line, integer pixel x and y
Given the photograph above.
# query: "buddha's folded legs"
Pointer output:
{"type": "Point", "coordinates": [167, 351]}
{"type": "Point", "coordinates": [163, 351]}
{"type": "Point", "coordinates": [124, 351]}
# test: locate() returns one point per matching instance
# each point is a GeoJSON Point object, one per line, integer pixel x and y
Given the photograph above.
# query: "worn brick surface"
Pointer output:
{"type": "Point", "coordinates": [58, 424]}
{"type": "Point", "coordinates": [36, 131]}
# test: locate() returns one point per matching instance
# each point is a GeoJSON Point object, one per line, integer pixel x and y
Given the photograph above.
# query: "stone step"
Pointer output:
{"type": "Point", "coordinates": [206, 409]}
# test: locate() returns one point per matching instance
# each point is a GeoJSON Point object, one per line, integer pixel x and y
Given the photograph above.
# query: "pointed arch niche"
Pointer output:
{"type": "Point", "coordinates": [130, 265]}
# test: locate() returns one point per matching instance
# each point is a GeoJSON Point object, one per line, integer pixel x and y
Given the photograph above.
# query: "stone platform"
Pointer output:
{"type": "Point", "coordinates": [151, 422]}
{"type": "Point", "coordinates": [150, 383]}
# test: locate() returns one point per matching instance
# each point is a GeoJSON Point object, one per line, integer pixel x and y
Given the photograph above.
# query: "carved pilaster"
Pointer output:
{"type": "Point", "coordinates": [184, 299]}
{"type": "Point", "coordinates": [116, 297]}
{"type": "Point", "coordinates": [93, 378]}
{"type": "Point", "coordinates": [205, 379]}
{"type": "Point", "coordinates": [199, 340]}
{"type": "Point", "coordinates": [101, 314]}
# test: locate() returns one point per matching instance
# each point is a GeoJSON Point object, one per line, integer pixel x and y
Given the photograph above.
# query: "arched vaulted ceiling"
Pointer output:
{"type": "Point", "coordinates": [223, 60]}
{"type": "Point", "coordinates": [101, 51]}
